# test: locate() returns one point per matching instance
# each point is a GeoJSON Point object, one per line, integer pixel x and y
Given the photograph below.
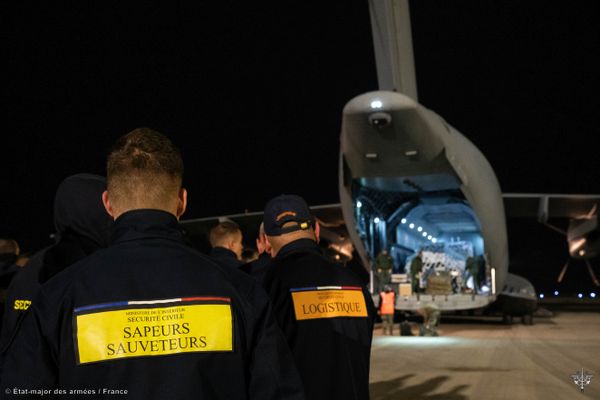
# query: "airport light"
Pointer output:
{"type": "Point", "coordinates": [411, 226]}
{"type": "Point", "coordinates": [358, 204]}
{"type": "Point", "coordinates": [593, 295]}
{"type": "Point", "coordinates": [541, 295]}
{"type": "Point", "coordinates": [429, 237]}
{"type": "Point", "coordinates": [420, 228]}
{"type": "Point", "coordinates": [403, 220]}
{"type": "Point", "coordinates": [580, 295]}
{"type": "Point", "coordinates": [434, 240]}
{"type": "Point", "coordinates": [376, 220]}
{"type": "Point", "coordinates": [376, 104]}
{"type": "Point", "coordinates": [424, 234]}
{"type": "Point", "coordinates": [556, 292]}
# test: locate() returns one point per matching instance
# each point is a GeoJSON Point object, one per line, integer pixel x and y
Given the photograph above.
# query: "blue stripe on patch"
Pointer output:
{"type": "Point", "coordinates": [304, 289]}
{"type": "Point", "coordinates": [103, 305]}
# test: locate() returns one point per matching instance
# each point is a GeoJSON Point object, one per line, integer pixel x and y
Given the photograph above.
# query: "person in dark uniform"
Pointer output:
{"type": "Point", "coordinates": [323, 308]}
{"type": "Point", "coordinates": [383, 269]}
{"type": "Point", "coordinates": [257, 267]}
{"type": "Point", "coordinates": [149, 316]}
{"type": "Point", "coordinates": [82, 227]}
{"type": "Point", "coordinates": [416, 268]}
{"type": "Point", "coordinates": [226, 242]}
{"type": "Point", "coordinates": [472, 271]}
{"type": "Point", "coordinates": [9, 254]}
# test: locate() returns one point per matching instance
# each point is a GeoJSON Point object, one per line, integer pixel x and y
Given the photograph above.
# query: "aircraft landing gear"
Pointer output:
{"type": "Point", "coordinates": [507, 319]}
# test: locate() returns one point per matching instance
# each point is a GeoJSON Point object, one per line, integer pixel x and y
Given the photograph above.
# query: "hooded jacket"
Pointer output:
{"type": "Point", "coordinates": [82, 227]}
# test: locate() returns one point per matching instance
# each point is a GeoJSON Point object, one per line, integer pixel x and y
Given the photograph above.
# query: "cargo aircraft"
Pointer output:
{"type": "Point", "coordinates": [409, 181]}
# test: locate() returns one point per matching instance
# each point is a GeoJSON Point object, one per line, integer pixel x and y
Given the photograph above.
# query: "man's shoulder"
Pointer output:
{"type": "Point", "coordinates": [311, 267]}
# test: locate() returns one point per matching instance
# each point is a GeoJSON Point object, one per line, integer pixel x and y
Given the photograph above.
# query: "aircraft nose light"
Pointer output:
{"type": "Point", "coordinates": [380, 119]}
{"type": "Point", "coordinates": [376, 104]}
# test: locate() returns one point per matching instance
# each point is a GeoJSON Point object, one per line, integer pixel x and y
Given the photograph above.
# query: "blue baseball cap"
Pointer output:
{"type": "Point", "coordinates": [283, 209]}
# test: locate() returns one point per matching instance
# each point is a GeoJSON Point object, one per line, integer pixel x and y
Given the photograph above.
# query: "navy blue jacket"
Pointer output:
{"type": "Point", "coordinates": [154, 317]}
{"type": "Point", "coordinates": [225, 257]}
{"type": "Point", "coordinates": [82, 227]}
{"type": "Point", "coordinates": [327, 317]}
{"type": "Point", "coordinates": [258, 267]}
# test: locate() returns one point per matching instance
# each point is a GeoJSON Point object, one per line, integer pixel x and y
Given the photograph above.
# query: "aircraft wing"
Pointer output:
{"type": "Point", "coordinates": [544, 206]}
{"type": "Point", "coordinates": [331, 220]}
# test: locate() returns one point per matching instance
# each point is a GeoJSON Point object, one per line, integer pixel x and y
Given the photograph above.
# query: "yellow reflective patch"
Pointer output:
{"type": "Point", "coordinates": [312, 304]}
{"type": "Point", "coordinates": [21, 305]}
{"type": "Point", "coordinates": [153, 331]}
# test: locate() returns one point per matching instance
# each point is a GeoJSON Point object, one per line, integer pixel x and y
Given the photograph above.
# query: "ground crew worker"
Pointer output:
{"type": "Point", "coordinates": [387, 302]}
{"type": "Point", "coordinates": [226, 242]}
{"type": "Point", "coordinates": [149, 316]}
{"type": "Point", "coordinates": [416, 267]}
{"type": "Point", "coordinates": [82, 227]}
{"type": "Point", "coordinates": [472, 269]}
{"type": "Point", "coordinates": [383, 268]}
{"type": "Point", "coordinates": [431, 319]}
{"type": "Point", "coordinates": [325, 312]}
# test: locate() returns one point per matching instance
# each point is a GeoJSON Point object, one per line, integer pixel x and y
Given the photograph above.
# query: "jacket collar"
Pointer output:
{"type": "Point", "coordinates": [222, 252]}
{"type": "Point", "coordinates": [144, 224]}
{"type": "Point", "coordinates": [300, 245]}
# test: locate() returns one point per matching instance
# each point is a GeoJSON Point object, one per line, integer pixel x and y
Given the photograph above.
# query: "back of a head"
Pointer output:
{"type": "Point", "coordinates": [144, 170]}
{"type": "Point", "coordinates": [9, 246]}
{"type": "Point", "coordinates": [224, 233]}
{"type": "Point", "coordinates": [287, 218]}
{"type": "Point", "coordinates": [78, 208]}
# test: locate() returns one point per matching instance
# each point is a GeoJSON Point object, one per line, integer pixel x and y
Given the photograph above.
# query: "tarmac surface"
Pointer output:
{"type": "Point", "coordinates": [480, 358]}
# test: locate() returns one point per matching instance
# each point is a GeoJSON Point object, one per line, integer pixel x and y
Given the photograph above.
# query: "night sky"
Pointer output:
{"type": "Point", "coordinates": [253, 93]}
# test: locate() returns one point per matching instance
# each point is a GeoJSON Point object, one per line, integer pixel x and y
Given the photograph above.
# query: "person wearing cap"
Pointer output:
{"type": "Point", "coordinates": [149, 317]}
{"type": "Point", "coordinates": [324, 310]}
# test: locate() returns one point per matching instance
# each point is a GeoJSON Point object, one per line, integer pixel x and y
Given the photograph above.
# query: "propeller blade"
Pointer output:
{"type": "Point", "coordinates": [592, 211]}
{"type": "Point", "coordinates": [589, 266]}
{"type": "Point", "coordinates": [554, 228]}
{"type": "Point", "coordinates": [563, 272]}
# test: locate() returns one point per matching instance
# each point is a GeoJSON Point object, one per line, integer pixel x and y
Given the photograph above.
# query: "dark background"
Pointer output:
{"type": "Point", "coordinates": [253, 93]}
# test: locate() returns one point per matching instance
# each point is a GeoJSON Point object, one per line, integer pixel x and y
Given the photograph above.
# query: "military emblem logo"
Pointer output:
{"type": "Point", "coordinates": [582, 379]}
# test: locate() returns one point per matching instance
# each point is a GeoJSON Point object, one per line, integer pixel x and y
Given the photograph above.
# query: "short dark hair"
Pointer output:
{"type": "Point", "coordinates": [223, 231]}
{"type": "Point", "coordinates": [144, 163]}
{"type": "Point", "coordinates": [9, 246]}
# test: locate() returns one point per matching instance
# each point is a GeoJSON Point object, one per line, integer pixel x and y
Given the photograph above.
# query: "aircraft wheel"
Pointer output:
{"type": "Point", "coordinates": [507, 319]}
{"type": "Point", "coordinates": [527, 319]}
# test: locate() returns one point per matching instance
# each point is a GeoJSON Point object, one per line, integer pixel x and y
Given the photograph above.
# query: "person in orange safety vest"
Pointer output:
{"type": "Point", "coordinates": [387, 300]}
